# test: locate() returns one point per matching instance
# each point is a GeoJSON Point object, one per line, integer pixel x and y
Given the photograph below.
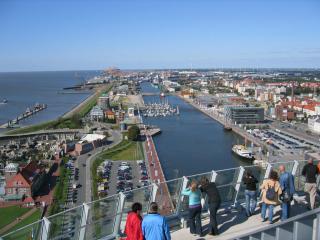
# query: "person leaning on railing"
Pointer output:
{"type": "Point", "coordinates": [214, 201]}
{"type": "Point", "coordinates": [195, 208]}
{"type": "Point", "coordinates": [288, 189]}
{"type": "Point", "coordinates": [250, 192]}
{"type": "Point", "coordinates": [133, 228]}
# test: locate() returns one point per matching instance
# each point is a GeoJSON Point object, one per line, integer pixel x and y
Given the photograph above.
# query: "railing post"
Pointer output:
{"type": "Point", "coordinates": [213, 176]}
{"type": "Point", "coordinates": [317, 230]}
{"type": "Point", "coordinates": [238, 185]}
{"type": "Point", "coordinates": [295, 167]}
{"type": "Point", "coordinates": [120, 207]}
{"type": "Point", "coordinates": [269, 167]}
{"type": "Point", "coordinates": [45, 228]}
{"type": "Point", "coordinates": [83, 223]}
{"type": "Point", "coordinates": [154, 191]}
{"type": "Point", "coordinates": [180, 199]}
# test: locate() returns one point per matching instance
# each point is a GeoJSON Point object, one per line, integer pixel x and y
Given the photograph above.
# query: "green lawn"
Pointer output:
{"type": "Point", "coordinates": [132, 152]}
{"type": "Point", "coordinates": [32, 218]}
{"type": "Point", "coordinates": [9, 214]}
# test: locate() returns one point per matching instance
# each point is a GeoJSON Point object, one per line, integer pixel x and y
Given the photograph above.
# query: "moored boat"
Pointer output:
{"type": "Point", "coordinates": [243, 151]}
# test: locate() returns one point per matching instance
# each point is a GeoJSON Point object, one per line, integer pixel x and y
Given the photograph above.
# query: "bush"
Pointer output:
{"type": "Point", "coordinates": [133, 133]}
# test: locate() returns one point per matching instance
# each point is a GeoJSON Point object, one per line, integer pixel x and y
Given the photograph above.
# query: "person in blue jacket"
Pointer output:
{"type": "Point", "coordinates": [154, 226]}
{"type": "Point", "coordinates": [195, 208]}
{"type": "Point", "coordinates": [288, 189]}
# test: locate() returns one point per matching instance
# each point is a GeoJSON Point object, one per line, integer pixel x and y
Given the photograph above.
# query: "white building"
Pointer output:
{"type": "Point", "coordinates": [314, 124]}
{"type": "Point", "coordinates": [96, 113]}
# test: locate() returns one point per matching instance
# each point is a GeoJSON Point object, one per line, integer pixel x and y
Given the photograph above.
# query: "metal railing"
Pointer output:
{"type": "Point", "coordinates": [303, 226]}
{"type": "Point", "coordinates": [105, 218]}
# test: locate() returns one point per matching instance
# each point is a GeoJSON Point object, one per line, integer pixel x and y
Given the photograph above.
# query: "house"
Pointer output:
{"type": "Point", "coordinates": [109, 115]}
{"type": "Point", "coordinates": [17, 187]}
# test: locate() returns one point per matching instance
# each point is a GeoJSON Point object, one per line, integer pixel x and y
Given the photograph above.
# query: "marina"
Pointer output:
{"type": "Point", "coordinates": [162, 109]}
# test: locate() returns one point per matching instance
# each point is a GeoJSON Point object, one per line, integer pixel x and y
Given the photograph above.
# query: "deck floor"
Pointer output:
{"type": "Point", "coordinates": [233, 223]}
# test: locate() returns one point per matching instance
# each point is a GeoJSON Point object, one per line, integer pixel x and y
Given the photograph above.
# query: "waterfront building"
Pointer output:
{"type": "Point", "coordinates": [96, 113]}
{"type": "Point", "coordinates": [104, 101]}
{"type": "Point", "coordinates": [241, 114]}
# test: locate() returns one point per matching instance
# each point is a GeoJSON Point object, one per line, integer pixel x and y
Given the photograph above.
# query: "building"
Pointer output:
{"type": "Point", "coordinates": [314, 124]}
{"type": "Point", "coordinates": [96, 114]}
{"type": "Point", "coordinates": [10, 170]}
{"type": "Point", "coordinates": [20, 185]}
{"type": "Point", "coordinates": [89, 142]}
{"type": "Point", "coordinates": [284, 113]}
{"type": "Point", "coordinates": [104, 101]}
{"type": "Point", "coordinates": [243, 115]}
{"type": "Point", "coordinates": [109, 115]}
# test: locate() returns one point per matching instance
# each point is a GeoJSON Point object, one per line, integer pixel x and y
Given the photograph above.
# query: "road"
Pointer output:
{"type": "Point", "coordinates": [84, 192]}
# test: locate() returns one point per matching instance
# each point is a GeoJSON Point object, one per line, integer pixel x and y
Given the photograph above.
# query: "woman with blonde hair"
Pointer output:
{"type": "Point", "coordinates": [271, 190]}
{"type": "Point", "coordinates": [194, 194]}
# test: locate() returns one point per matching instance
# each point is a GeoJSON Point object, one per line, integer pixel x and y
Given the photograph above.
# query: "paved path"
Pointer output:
{"type": "Point", "coordinates": [19, 219]}
{"type": "Point", "coordinates": [157, 176]}
{"type": "Point", "coordinates": [84, 193]}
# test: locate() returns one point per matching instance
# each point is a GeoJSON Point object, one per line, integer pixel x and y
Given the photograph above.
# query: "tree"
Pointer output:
{"type": "Point", "coordinates": [133, 133]}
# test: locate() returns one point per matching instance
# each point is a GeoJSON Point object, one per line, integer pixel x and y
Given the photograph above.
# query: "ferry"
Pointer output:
{"type": "Point", "coordinates": [243, 151]}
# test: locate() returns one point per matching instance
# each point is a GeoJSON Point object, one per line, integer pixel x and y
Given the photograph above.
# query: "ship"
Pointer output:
{"type": "Point", "coordinates": [243, 152]}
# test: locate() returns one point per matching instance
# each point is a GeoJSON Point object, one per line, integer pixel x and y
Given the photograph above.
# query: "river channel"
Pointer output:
{"type": "Point", "coordinates": [192, 142]}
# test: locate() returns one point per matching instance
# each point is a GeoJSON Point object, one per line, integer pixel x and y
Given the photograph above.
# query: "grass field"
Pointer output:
{"type": "Point", "coordinates": [132, 152]}
{"type": "Point", "coordinates": [32, 218]}
{"type": "Point", "coordinates": [9, 214]}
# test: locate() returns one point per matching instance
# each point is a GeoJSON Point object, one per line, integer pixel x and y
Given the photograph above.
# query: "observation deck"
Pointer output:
{"type": "Point", "coordinates": [105, 218]}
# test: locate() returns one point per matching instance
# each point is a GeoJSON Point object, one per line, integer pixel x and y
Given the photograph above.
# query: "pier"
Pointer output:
{"type": "Point", "coordinates": [28, 113]}
{"type": "Point", "coordinates": [157, 177]}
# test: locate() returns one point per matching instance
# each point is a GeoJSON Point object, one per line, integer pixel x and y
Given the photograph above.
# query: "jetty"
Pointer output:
{"type": "Point", "coordinates": [28, 113]}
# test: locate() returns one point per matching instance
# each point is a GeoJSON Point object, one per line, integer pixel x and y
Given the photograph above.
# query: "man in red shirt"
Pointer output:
{"type": "Point", "coordinates": [133, 228]}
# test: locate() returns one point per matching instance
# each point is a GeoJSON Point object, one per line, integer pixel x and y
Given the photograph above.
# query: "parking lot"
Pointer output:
{"type": "Point", "coordinates": [121, 176]}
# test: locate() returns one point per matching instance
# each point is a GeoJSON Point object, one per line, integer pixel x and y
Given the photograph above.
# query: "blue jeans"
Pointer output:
{"type": "Point", "coordinates": [251, 201]}
{"type": "Point", "coordinates": [264, 210]}
{"type": "Point", "coordinates": [285, 210]}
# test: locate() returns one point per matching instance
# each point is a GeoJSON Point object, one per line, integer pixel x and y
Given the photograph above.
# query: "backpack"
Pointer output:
{"type": "Point", "coordinates": [271, 193]}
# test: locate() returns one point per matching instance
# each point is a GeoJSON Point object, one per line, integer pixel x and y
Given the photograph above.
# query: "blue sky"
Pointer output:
{"type": "Point", "coordinates": [134, 34]}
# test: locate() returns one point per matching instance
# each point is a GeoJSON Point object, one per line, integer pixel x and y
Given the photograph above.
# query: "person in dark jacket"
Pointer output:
{"type": "Point", "coordinates": [210, 189]}
{"type": "Point", "coordinates": [133, 228]}
{"type": "Point", "coordinates": [250, 192]}
{"type": "Point", "coordinates": [310, 171]}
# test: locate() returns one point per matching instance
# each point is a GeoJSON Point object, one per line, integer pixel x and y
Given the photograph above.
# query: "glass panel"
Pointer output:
{"type": "Point", "coordinates": [227, 193]}
{"type": "Point", "coordinates": [299, 179]}
{"type": "Point", "coordinates": [141, 195]}
{"type": "Point", "coordinates": [167, 196]}
{"type": "Point", "coordinates": [32, 231]}
{"type": "Point", "coordinates": [288, 166]}
{"type": "Point", "coordinates": [65, 224]}
{"type": "Point", "coordinates": [259, 173]}
{"type": "Point", "coordinates": [101, 217]}
{"type": "Point", "coordinates": [229, 176]}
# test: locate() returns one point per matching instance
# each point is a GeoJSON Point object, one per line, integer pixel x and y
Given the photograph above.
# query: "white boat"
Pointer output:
{"type": "Point", "coordinates": [4, 101]}
{"type": "Point", "coordinates": [242, 151]}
